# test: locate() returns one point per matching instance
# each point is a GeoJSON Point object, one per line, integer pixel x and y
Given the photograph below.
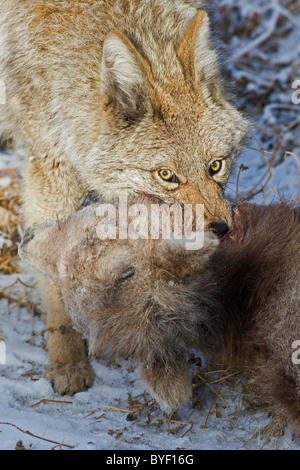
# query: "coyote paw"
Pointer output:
{"type": "Point", "coordinates": [67, 379]}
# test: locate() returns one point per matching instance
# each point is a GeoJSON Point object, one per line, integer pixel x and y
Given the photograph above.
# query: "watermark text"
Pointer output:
{"type": "Point", "coordinates": [296, 353]}
{"type": "Point", "coordinates": [154, 221]}
{"type": "Point", "coordinates": [296, 94]}
{"type": "Point", "coordinates": [2, 352]}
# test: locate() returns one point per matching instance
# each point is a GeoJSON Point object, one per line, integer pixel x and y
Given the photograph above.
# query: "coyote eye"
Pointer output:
{"type": "Point", "coordinates": [215, 167]}
{"type": "Point", "coordinates": [168, 175]}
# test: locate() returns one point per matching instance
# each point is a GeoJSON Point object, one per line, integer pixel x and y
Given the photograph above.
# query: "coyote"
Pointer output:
{"type": "Point", "coordinates": [237, 299]}
{"type": "Point", "coordinates": [113, 97]}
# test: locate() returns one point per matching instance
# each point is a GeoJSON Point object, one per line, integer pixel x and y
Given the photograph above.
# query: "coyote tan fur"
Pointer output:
{"type": "Point", "coordinates": [113, 96]}
{"type": "Point", "coordinates": [236, 300]}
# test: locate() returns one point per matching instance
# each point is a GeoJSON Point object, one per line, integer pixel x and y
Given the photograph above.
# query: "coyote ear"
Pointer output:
{"type": "Point", "coordinates": [125, 76]}
{"type": "Point", "coordinates": [195, 50]}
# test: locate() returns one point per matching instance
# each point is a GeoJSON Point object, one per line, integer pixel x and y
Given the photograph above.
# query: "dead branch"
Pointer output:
{"type": "Point", "coordinates": [42, 333]}
{"type": "Point", "coordinates": [37, 437]}
{"type": "Point", "coordinates": [279, 10]}
{"type": "Point", "coordinates": [260, 39]}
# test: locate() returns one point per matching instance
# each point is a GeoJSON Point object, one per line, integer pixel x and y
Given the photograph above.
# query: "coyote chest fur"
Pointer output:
{"type": "Point", "coordinates": [114, 97]}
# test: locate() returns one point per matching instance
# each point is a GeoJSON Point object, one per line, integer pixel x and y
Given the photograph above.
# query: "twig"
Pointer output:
{"type": "Point", "coordinates": [19, 300]}
{"type": "Point", "coordinates": [212, 404]}
{"type": "Point", "coordinates": [188, 430]}
{"type": "Point", "coordinates": [180, 425]}
{"type": "Point", "coordinates": [38, 437]}
{"type": "Point", "coordinates": [42, 332]}
{"type": "Point", "coordinates": [271, 190]}
{"type": "Point", "coordinates": [241, 168]}
{"type": "Point", "coordinates": [261, 190]}
{"type": "Point", "coordinates": [261, 38]}
{"type": "Point", "coordinates": [284, 12]}
{"type": "Point", "coordinates": [126, 410]}
{"type": "Point", "coordinates": [15, 282]}
{"type": "Point", "coordinates": [45, 400]}
{"type": "Point", "coordinates": [297, 161]}
{"type": "Point", "coordinates": [279, 10]}
{"type": "Point", "coordinates": [220, 379]}
{"type": "Point", "coordinates": [211, 388]}
{"type": "Point", "coordinates": [286, 107]}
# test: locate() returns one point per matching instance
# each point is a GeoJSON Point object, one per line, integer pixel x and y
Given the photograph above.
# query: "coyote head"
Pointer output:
{"type": "Point", "coordinates": [167, 128]}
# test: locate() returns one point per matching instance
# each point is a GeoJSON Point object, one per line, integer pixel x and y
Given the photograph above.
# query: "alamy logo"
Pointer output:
{"type": "Point", "coordinates": [2, 352]}
{"type": "Point", "coordinates": [296, 354]}
{"type": "Point", "coordinates": [296, 94]}
{"type": "Point", "coordinates": [2, 92]}
{"type": "Point", "coordinates": [162, 221]}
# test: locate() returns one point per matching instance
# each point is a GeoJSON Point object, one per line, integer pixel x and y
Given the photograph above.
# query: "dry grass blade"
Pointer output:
{"type": "Point", "coordinates": [212, 405]}
{"type": "Point", "coordinates": [274, 428]}
{"type": "Point", "coordinates": [297, 162]}
{"type": "Point", "coordinates": [17, 299]}
{"type": "Point", "coordinates": [47, 400]}
{"type": "Point", "coordinates": [207, 383]}
{"type": "Point", "coordinates": [144, 410]}
{"type": "Point", "coordinates": [235, 385]}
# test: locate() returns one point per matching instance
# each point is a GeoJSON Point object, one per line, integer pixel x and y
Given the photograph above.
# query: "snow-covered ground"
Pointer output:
{"type": "Point", "coordinates": [117, 413]}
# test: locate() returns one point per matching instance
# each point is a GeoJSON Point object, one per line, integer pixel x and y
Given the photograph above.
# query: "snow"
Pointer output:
{"type": "Point", "coordinates": [89, 420]}
{"type": "Point", "coordinates": [117, 413]}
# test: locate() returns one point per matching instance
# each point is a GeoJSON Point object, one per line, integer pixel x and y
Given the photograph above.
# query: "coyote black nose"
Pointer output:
{"type": "Point", "coordinates": [219, 228]}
